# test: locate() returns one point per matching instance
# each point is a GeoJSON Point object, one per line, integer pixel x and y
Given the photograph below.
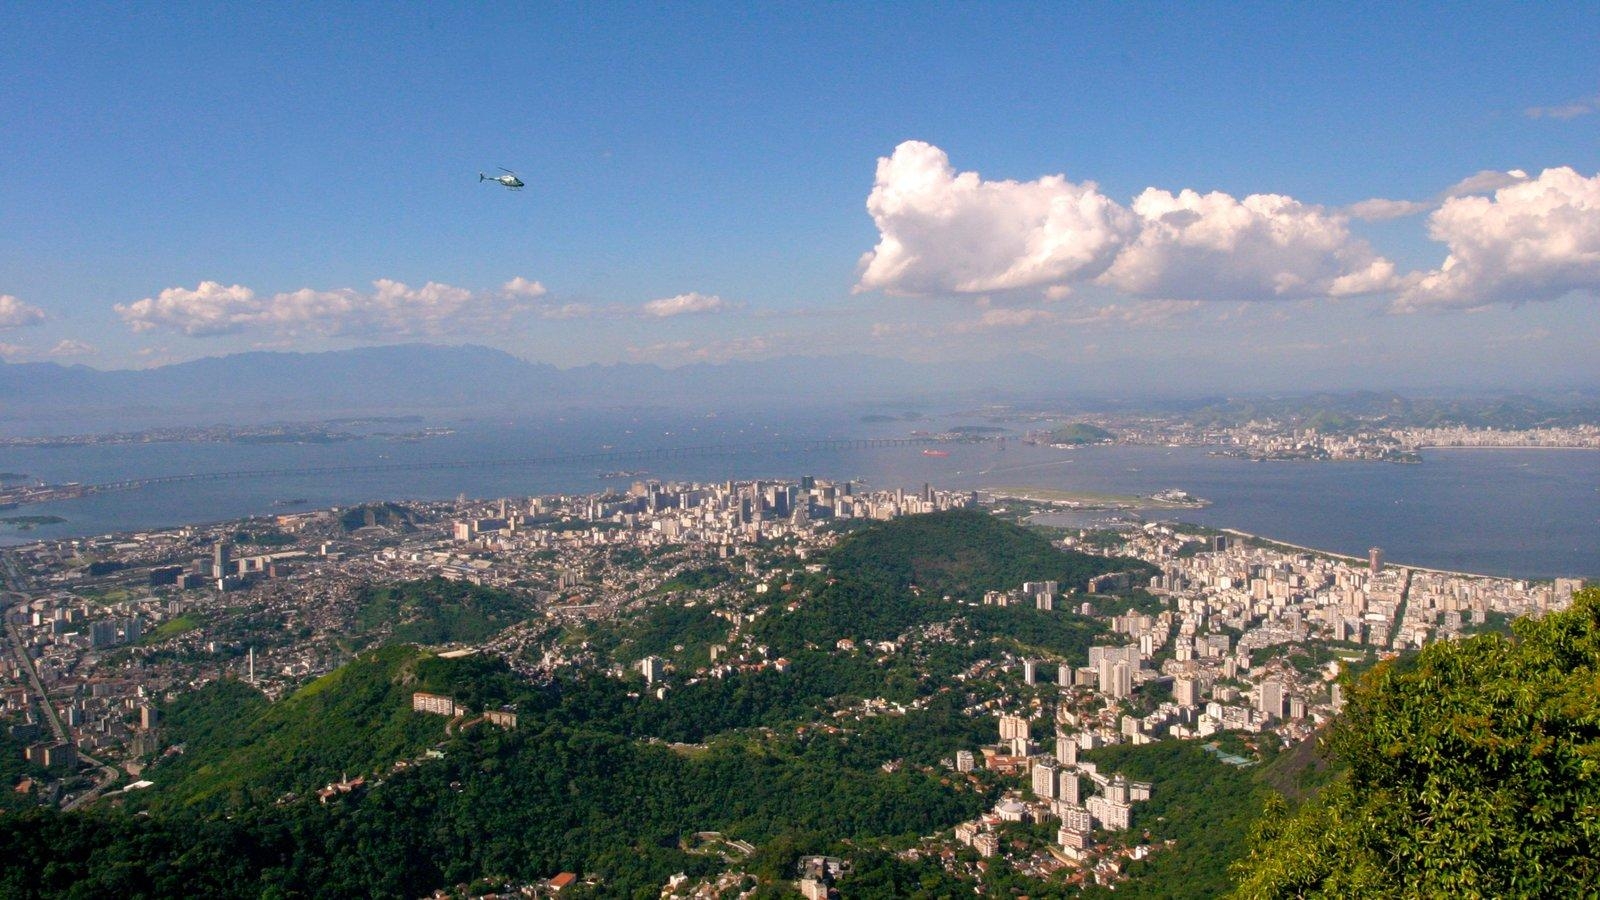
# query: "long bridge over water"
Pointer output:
{"type": "Point", "coordinates": [594, 457]}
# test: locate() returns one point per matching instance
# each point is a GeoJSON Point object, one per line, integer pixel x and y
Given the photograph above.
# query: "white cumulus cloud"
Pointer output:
{"type": "Point", "coordinates": [15, 314]}
{"type": "Point", "coordinates": [948, 232]}
{"type": "Point", "coordinates": [1536, 239]}
{"type": "Point", "coordinates": [941, 231]}
{"type": "Point", "coordinates": [1194, 246]}
{"type": "Point", "coordinates": [389, 309]}
{"type": "Point", "coordinates": [522, 287]}
{"type": "Point", "coordinates": [211, 308]}
{"type": "Point", "coordinates": [686, 305]}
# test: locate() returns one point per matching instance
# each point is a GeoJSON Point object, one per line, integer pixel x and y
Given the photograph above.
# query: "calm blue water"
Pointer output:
{"type": "Point", "coordinates": [1528, 513]}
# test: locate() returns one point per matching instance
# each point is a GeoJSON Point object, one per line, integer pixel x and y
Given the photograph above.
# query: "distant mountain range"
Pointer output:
{"type": "Point", "coordinates": [263, 386]}
{"type": "Point", "coordinates": [472, 381]}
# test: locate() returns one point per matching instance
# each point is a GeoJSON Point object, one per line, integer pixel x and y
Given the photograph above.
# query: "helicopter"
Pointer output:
{"type": "Point", "coordinates": [509, 180]}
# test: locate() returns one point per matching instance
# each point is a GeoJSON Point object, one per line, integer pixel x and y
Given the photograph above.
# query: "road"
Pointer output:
{"type": "Point", "coordinates": [1400, 611]}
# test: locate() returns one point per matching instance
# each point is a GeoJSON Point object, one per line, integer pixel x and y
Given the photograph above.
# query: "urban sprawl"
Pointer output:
{"type": "Point", "coordinates": [102, 630]}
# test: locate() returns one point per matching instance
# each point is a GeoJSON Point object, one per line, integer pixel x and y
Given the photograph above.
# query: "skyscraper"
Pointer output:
{"type": "Point", "coordinates": [1045, 779]}
{"type": "Point", "coordinates": [1066, 749]}
{"type": "Point", "coordinates": [1013, 727]}
{"type": "Point", "coordinates": [1185, 692]}
{"type": "Point", "coordinates": [1271, 701]}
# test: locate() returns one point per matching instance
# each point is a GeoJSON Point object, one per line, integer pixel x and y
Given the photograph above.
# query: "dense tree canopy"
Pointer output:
{"type": "Point", "coordinates": [892, 576]}
{"type": "Point", "coordinates": [963, 553]}
{"type": "Point", "coordinates": [1474, 770]}
{"type": "Point", "coordinates": [437, 611]}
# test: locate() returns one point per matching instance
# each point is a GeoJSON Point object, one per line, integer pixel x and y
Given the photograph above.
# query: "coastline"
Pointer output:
{"type": "Point", "coordinates": [1090, 500]}
{"type": "Point", "coordinates": [1362, 559]}
{"type": "Point", "coordinates": [1499, 447]}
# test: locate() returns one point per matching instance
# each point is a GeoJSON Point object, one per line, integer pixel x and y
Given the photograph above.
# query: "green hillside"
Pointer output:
{"type": "Point", "coordinates": [571, 789]}
{"type": "Point", "coordinates": [893, 576]}
{"type": "Point", "coordinates": [437, 611]}
{"type": "Point", "coordinates": [1474, 770]}
{"type": "Point", "coordinates": [962, 554]}
{"type": "Point", "coordinates": [520, 805]}
{"type": "Point", "coordinates": [357, 719]}
{"type": "Point", "coordinates": [1206, 808]}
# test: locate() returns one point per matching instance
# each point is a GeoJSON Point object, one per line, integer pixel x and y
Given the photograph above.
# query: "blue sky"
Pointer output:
{"type": "Point", "coordinates": [699, 180]}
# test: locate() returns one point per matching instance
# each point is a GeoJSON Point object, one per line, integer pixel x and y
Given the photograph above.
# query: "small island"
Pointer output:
{"type": "Point", "coordinates": [28, 523]}
{"type": "Point", "coordinates": [1072, 434]}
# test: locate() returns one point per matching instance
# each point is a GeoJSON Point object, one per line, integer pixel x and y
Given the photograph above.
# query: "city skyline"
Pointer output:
{"type": "Point", "coordinates": [1317, 197]}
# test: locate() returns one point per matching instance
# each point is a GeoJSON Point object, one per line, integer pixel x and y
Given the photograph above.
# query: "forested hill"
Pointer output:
{"type": "Point", "coordinates": [354, 720]}
{"type": "Point", "coordinates": [891, 577]}
{"type": "Point", "coordinates": [962, 553]}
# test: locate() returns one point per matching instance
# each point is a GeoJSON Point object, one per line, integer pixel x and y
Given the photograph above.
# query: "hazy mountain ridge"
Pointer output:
{"type": "Point", "coordinates": [422, 377]}
{"type": "Point", "coordinates": [468, 380]}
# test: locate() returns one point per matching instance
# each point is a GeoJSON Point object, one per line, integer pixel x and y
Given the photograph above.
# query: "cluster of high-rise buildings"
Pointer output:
{"type": "Point", "coordinates": [1056, 779]}
{"type": "Point", "coordinates": [725, 513]}
{"type": "Point", "coordinates": [1240, 614]}
{"type": "Point", "coordinates": [1233, 650]}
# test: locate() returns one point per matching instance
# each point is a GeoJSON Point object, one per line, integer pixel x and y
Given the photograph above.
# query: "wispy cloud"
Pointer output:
{"type": "Point", "coordinates": [389, 309]}
{"type": "Point", "coordinates": [1486, 181]}
{"type": "Point", "coordinates": [1572, 110]}
{"type": "Point", "coordinates": [63, 349]}
{"type": "Point", "coordinates": [684, 351]}
{"type": "Point", "coordinates": [690, 304]}
{"type": "Point", "coordinates": [1005, 317]}
{"type": "Point", "coordinates": [1379, 209]}
{"type": "Point", "coordinates": [67, 347]}
{"type": "Point", "coordinates": [1142, 314]}
{"type": "Point", "coordinates": [1531, 336]}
